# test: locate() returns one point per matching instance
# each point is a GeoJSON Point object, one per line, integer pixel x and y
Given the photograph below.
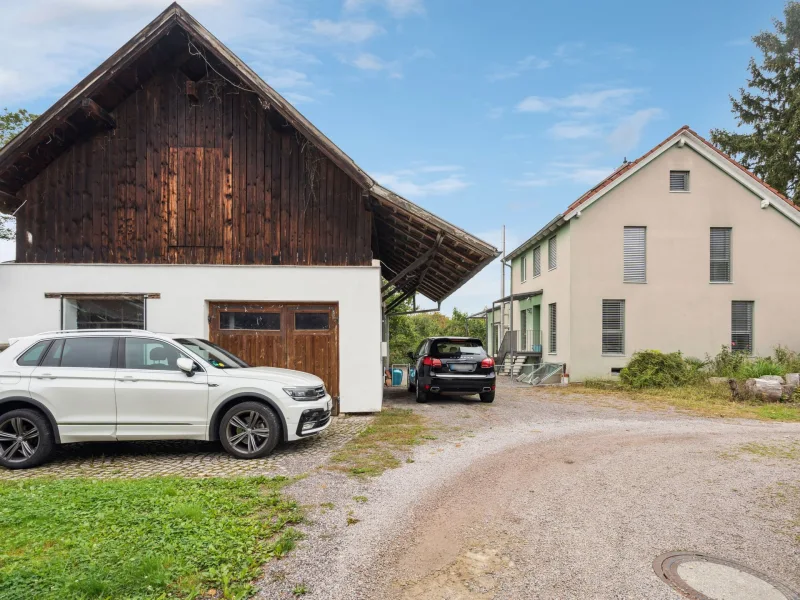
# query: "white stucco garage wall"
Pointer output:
{"type": "Point", "coordinates": [183, 307]}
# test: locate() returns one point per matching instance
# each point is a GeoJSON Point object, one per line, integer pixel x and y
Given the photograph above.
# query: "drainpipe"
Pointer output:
{"type": "Point", "coordinates": [502, 289]}
{"type": "Point", "coordinates": [511, 318]}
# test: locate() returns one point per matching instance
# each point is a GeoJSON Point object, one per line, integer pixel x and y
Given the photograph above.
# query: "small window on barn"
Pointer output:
{"type": "Point", "coordinates": [312, 321]}
{"type": "Point", "coordinates": [250, 320]}
{"type": "Point", "coordinates": [679, 181]}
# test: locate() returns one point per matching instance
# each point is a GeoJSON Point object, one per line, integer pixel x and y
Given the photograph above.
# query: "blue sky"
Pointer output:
{"type": "Point", "coordinates": [486, 113]}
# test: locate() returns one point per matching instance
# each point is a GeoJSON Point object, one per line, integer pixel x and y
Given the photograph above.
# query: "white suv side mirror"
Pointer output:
{"type": "Point", "coordinates": [186, 365]}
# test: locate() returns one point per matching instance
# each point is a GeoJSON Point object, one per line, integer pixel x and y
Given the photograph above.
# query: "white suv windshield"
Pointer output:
{"type": "Point", "coordinates": [213, 354]}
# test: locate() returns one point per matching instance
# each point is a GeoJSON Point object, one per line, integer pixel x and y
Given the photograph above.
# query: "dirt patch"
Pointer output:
{"type": "Point", "coordinates": [475, 574]}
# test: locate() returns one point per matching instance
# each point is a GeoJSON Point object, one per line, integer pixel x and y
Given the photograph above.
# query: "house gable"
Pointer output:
{"type": "Point", "coordinates": [685, 137]}
{"type": "Point", "coordinates": [202, 178]}
{"type": "Point", "coordinates": [67, 145]}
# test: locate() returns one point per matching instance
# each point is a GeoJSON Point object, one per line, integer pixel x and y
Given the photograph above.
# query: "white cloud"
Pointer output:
{"type": "Point", "coordinates": [55, 44]}
{"type": "Point", "coordinates": [417, 182]}
{"type": "Point", "coordinates": [531, 180]}
{"type": "Point", "coordinates": [534, 104]}
{"type": "Point", "coordinates": [582, 103]}
{"type": "Point", "coordinates": [353, 32]}
{"type": "Point", "coordinates": [572, 130]}
{"type": "Point", "coordinates": [528, 63]}
{"type": "Point", "coordinates": [510, 137]}
{"type": "Point", "coordinates": [399, 9]}
{"type": "Point", "coordinates": [369, 62]}
{"type": "Point", "coordinates": [558, 173]}
{"type": "Point", "coordinates": [296, 98]}
{"type": "Point", "coordinates": [496, 112]}
{"type": "Point", "coordinates": [628, 132]}
{"type": "Point", "coordinates": [590, 176]}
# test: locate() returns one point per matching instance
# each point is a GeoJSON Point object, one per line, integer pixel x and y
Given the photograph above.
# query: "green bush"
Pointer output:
{"type": "Point", "coordinates": [758, 367]}
{"type": "Point", "coordinates": [652, 368]}
{"type": "Point", "coordinates": [726, 363]}
{"type": "Point", "coordinates": [788, 359]}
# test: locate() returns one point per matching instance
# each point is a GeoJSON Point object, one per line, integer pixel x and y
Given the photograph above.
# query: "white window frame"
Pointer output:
{"type": "Point", "coordinates": [620, 332]}
{"type": "Point", "coordinates": [523, 266]}
{"type": "Point", "coordinates": [686, 181]}
{"type": "Point", "coordinates": [537, 261]}
{"type": "Point", "coordinates": [711, 254]}
{"type": "Point", "coordinates": [552, 328]}
{"type": "Point", "coordinates": [552, 253]}
{"type": "Point", "coordinates": [631, 255]}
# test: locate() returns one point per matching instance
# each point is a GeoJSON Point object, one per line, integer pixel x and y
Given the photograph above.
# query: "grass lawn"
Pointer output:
{"type": "Point", "coordinates": [141, 538]}
{"type": "Point", "coordinates": [704, 399]}
{"type": "Point", "coordinates": [393, 431]}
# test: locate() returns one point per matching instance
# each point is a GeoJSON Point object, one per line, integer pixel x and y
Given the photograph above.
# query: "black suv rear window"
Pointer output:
{"type": "Point", "coordinates": [446, 348]}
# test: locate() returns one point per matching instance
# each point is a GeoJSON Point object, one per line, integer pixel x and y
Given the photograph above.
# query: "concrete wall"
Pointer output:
{"type": "Point", "coordinates": [556, 286]}
{"type": "Point", "coordinates": [185, 291]}
{"type": "Point", "coordinates": [678, 309]}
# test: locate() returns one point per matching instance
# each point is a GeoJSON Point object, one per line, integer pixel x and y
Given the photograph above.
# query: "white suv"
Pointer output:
{"type": "Point", "coordinates": [112, 384]}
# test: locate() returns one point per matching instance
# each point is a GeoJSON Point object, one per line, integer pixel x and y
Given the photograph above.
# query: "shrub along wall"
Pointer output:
{"type": "Point", "coordinates": [654, 369]}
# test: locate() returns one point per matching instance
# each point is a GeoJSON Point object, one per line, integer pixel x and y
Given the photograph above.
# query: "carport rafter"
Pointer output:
{"type": "Point", "coordinates": [422, 261]}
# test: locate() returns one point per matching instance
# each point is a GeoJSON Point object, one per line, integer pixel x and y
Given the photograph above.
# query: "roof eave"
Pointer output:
{"type": "Point", "coordinates": [553, 226]}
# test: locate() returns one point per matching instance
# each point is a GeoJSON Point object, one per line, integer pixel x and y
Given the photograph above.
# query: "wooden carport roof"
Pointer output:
{"type": "Point", "coordinates": [418, 250]}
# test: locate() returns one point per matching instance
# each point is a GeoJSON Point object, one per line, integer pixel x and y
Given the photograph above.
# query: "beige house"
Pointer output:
{"type": "Point", "coordinates": [682, 249]}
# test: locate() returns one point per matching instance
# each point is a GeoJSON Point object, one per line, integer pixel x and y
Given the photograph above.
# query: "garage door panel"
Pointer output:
{"type": "Point", "coordinates": [297, 336]}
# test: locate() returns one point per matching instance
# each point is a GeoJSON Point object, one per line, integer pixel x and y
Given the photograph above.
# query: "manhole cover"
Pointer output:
{"type": "Point", "coordinates": [702, 577]}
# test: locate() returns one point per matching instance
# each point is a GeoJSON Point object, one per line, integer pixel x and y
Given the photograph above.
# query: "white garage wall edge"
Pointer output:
{"type": "Point", "coordinates": [183, 308]}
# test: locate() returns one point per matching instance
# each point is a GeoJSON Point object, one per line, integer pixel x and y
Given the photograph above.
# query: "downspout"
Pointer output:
{"type": "Point", "coordinates": [511, 319]}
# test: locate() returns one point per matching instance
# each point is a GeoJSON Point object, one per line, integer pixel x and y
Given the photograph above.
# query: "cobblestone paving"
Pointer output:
{"type": "Point", "coordinates": [191, 459]}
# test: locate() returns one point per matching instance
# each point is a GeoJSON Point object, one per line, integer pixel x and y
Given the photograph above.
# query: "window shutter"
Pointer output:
{"type": "Point", "coordinates": [742, 326]}
{"type": "Point", "coordinates": [523, 267]}
{"type": "Point", "coordinates": [720, 254]}
{"type": "Point", "coordinates": [552, 348]}
{"type": "Point", "coordinates": [679, 181]}
{"type": "Point", "coordinates": [635, 260]}
{"type": "Point", "coordinates": [552, 250]}
{"type": "Point", "coordinates": [613, 326]}
{"type": "Point", "coordinates": [537, 261]}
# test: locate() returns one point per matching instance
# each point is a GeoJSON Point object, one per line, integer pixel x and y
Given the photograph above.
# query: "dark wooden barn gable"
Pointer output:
{"type": "Point", "coordinates": [203, 177]}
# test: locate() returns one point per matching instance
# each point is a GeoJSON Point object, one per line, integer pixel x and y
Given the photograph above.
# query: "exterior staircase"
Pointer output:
{"type": "Point", "coordinates": [507, 367]}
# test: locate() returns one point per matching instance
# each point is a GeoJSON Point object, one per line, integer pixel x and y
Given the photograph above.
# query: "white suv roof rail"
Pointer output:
{"type": "Point", "coordinates": [106, 329]}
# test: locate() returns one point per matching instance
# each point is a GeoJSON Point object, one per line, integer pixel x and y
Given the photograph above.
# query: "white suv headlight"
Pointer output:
{"type": "Point", "coordinates": [306, 393]}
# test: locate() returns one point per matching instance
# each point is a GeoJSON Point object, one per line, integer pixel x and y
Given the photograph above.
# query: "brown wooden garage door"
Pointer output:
{"type": "Point", "coordinates": [304, 337]}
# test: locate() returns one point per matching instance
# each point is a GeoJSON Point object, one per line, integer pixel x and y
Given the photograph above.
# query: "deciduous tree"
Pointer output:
{"type": "Point", "coordinates": [11, 123]}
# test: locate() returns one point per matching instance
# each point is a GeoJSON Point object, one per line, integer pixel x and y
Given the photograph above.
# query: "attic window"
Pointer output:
{"type": "Point", "coordinates": [679, 181]}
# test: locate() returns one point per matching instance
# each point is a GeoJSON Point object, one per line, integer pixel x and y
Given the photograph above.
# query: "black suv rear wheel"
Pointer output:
{"type": "Point", "coordinates": [26, 439]}
{"type": "Point", "coordinates": [487, 397]}
{"type": "Point", "coordinates": [422, 395]}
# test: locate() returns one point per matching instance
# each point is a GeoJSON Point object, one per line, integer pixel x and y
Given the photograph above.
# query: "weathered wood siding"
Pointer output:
{"type": "Point", "coordinates": [205, 181]}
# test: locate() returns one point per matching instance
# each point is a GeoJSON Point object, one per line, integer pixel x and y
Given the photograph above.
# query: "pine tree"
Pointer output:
{"type": "Point", "coordinates": [770, 109]}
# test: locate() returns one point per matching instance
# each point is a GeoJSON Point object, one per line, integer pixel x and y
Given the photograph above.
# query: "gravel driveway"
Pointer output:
{"type": "Point", "coordinates": [545, 495]}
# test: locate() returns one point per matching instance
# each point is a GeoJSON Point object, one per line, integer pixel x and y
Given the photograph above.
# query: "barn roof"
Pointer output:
{"type": "Point", "coordinates": [419, 251]}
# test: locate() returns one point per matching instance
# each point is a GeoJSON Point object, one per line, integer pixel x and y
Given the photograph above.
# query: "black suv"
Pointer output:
{"type": "Point", "coordinates": [452, 365]}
